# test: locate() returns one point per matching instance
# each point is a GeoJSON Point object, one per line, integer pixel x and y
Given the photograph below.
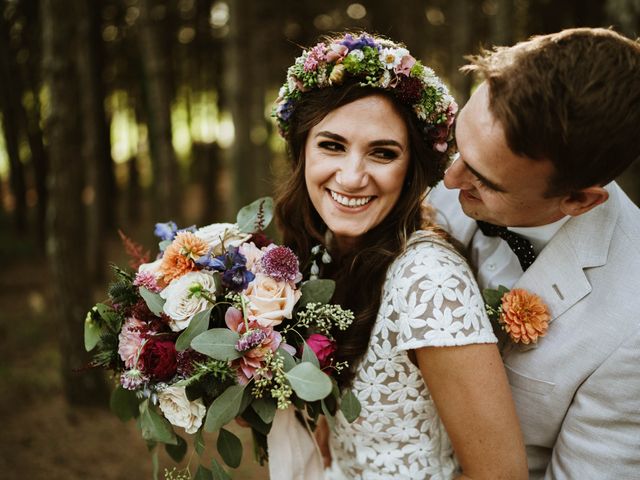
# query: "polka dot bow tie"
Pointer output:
{"type": "Point", "coordinates": [520, 245]}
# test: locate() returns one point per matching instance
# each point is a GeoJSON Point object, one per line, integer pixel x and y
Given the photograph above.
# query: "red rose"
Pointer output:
{"type": "Point", "coordinates": [322, 347]}
{"type": "Point", "coordinates": [158, 359]}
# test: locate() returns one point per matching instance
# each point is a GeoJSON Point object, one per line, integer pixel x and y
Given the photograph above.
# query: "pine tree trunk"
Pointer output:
{"type": "Point", "coordinates": [158, 103]}
{"type": "Point", "coordinates": [66, 221]}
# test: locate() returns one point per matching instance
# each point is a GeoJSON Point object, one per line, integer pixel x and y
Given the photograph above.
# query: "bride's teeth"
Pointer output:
{"type": "Point", "coordinates": [349, 202]}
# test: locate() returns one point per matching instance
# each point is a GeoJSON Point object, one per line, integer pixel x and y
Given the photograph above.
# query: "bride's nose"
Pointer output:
{"type": "Point", "coordinates": [352, 174]}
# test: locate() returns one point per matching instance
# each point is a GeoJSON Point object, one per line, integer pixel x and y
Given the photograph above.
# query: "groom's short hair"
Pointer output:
{"type": "Point", "coordinates": [571, 97]}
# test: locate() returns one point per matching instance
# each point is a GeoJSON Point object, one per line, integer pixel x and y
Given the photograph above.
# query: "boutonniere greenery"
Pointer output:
{"type": "Point", "coordinates": [521, 314]}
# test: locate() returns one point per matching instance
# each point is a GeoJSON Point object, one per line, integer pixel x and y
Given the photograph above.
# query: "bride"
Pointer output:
{"type": "Point", "coordinates": [368, 130]}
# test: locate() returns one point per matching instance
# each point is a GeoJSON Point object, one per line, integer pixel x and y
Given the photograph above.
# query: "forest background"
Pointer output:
{"type": "Point", "coordinates": [116, 114]}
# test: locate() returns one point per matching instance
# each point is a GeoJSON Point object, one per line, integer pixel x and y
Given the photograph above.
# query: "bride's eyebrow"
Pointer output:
{"type": "Point", "coordinates": [375, 143]}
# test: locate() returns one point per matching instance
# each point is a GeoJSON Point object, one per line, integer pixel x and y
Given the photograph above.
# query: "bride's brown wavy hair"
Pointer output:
{"type": "Point", "coordinates": [359, 274]}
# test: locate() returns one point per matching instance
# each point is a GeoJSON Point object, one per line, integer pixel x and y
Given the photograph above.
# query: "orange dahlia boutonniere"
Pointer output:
{"type": "Point", "coordinates": [521, 314]}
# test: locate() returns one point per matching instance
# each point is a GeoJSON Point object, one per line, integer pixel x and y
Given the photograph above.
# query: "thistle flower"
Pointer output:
{"type": "Point", "coordinates": [281, 264]}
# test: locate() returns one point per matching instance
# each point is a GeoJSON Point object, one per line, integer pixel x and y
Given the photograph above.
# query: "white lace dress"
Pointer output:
{"type": "Point", "coordinates": [430, 299]}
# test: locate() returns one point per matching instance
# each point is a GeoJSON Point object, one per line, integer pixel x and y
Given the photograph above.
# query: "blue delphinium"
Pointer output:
{"type": "Point", "coordinates": [233, 266]}
{"type": "Point", "coordinates": [166, 231]}
{"type": "Point", "coordinates": [358, 43]}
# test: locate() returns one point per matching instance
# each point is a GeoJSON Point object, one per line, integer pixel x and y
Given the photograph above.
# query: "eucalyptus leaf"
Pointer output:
{"type": "Point", "coordinates": [309, 355]}
{"type": "Point", "coordinates": [289, 361]}
{"type": "Point", "coordinates": [198, 442]}
{"type": "Point", "coordinates": [198, 324]}
{"type": "Point", "coordinates": [154, 301]}
{"type": "Point", "coordinates": [124, 403]}
{"type": "Point", "coordinates": [256, 423]}
{"type": "Point", "coordinates": [155, 427]}
{"type": "Point", "coordinates": [218, 472]}
{"type": "Point", "coordinates": [265, 409]}
{"type": "Point", "coordinates": [218, 343]}
{"type": "Point", "coordinates": [224, 408]}
{"type": "Point", "coordinates": [316, 291]}
{"type": "Point", "coordinates": [330, 419]}
{"type": "Point", "coordinates": [177, 451]}
{"type": "Point", "coordinates": [309, 382]}
{"type": "Point", "coordinates": [92, 333]}
{"type": "Point", "coordinates": [203, 473]}
{"type": "Point", "coordinates": [155, 465]}
{"type": "Point", "coordinates": [256, 216]}
{"type": "Point", "coordinates": [230, 448]}
{"type": "Point", "coordinates": [350, 406]}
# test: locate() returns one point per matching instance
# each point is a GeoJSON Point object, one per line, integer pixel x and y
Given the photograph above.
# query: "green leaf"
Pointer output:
{"type": "Point", "coordinates": [491, 297]}
{"type": "Point", "coordinates": [249, 219]}
{"type": "Point", "coordinates": [124, 403]}
{"type": "Point", "coordinates": [154, 426]}
{"type": "Point", "coordinates": [198, 442]}
{"type": "Point", "coordinates": [330, 419]}
{"type": "Point", "coordinates": [92, 333]}
{"type": "Point", "coordinates": [218, 471]}
{"type": "Point", "coordinates": [106, 312]}
{"type": "Point", "coordinates": [316, 291]}
{"type": "Point", "coordinates": [309, 355]}
{"type": "Point", "coordinates": [224, 408]}
{"type": "Point", "coordinates": [256, 423]}
{"type": "Point", "coordinates": [218, 343]}
{"type": "Point", "coordinates": [203, 473]}
{"type": "Point", "coordinates": [289, 361]}
{"type": "Point", "coordinates": [164, 244]}
{"type": "Point", "coordinates": [309, 382]}
{"type": "Point", "coordinates": [265, 409]}
{"type": "Point", "coordinates": [154, 301]}
{"type": "Point", "coordinates": [350, 406]}
{"type": "Point", "coordinates": [198, 324]}
{"type": "Point", "coordinates": [230, 448]}
{"type": "Point", "coordinates": [177, 451]}
{"type": "Point", "coordinates": [155, 465]}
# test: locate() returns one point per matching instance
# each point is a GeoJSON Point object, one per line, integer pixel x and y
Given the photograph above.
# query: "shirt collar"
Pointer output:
{"type": "Point", "coordinates": [541, 235]}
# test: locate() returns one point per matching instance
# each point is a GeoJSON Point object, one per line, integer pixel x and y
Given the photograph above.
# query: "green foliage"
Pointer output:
{"type": "Point", "coordinates": [107, 354]}
{"type": "Point", "coordinates": [198, 442]}
{"type": "Point", "coordinates": [203, 473]}
{"type": "Point", "coordinates": [265, 409]}
{"type": "Point", "coordinates": [122, 291]}
{"type": "Point", "coordinates": [224, 408]}
{"type": "Point", "coordinates": [350, 406]}
{"type": "Point", "coordinates": [154, 426]}
{"type": "Point", "coordinates": [493, 301]}
{"type": "Point", "coordinates": [154, 301]}
{"type": "Point", "coordinates": [124, 403]}
{"type": "Point", "coordinates": [199, 323]}
{"type": "Point", "coordinates": [230, 448]}
{"type": "Point", "coordinates": [177, 451]}
{"type": "Point", "coordinates": [309, 382]}
{"type": "Point", "coordinates": [218, 343]}
{"type": "Point", "coordinates": [218, 472]}
{"type": "Point", "coordinates": [316, 291]}
{"type": "Point", "coordinates": [308, 355]}
{"type": "Point", "coordinates": [256, 216]}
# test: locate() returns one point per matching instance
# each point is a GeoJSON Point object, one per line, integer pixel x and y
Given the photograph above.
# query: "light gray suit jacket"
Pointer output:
{"type": "Point", "coordinates": [577, 392]}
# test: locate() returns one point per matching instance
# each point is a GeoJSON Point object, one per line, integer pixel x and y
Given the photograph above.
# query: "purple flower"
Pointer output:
{"type": "Point", "coordinates": [285, 110]}
{"type": "Point", "coordinates": [281, 264]}
{"type": "Point", "coordinates": [362, 41]}
{"type": "Point", "coordinates": [166, 231]}
{"type": "Point", "coordinates": [233, 266]}
{"type": "Point", "coordinates": [251, 339]}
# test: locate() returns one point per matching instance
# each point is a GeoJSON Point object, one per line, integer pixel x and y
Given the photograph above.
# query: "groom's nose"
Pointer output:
{"type": "Point", "coordinates": [456, 175]}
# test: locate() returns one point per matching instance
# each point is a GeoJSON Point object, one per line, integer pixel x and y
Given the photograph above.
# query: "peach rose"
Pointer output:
{"type": "Point", "coordinates": [524, 316]}
{"type": "Point", "coordinates": [270, 301]}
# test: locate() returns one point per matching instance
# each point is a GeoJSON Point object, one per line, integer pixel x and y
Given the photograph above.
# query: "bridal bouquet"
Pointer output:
{"type": "Point", "coordinates": [221, 325]}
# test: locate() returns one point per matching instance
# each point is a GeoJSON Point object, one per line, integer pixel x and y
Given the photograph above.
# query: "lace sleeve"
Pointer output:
{"type": "Point", "coordinates": [438, 299]}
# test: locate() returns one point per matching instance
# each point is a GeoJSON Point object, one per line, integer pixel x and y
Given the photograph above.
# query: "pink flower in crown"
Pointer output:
{"type": "Point", "coordinates": [406, 63]}
{"type": "Point", "coordinates": [336, 52]}
{"type": "Point", "coordinates": [130, 341]}
{"type": "Point", "coordinates": [253, 344]}
{"type": "Point", "coordinates": [147, 280]}
{"type": "Point", "coordinates": [316, 55]}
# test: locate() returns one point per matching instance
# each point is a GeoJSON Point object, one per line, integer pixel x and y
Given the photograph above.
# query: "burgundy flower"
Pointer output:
{"type": "Point", "coordinates": [409, 90]}
{"type": "Point", "coordinates": [159, 359]}
{"type": "Point", "coordinates": [323, 347]}
{"type": "Point", "coordinates": [281, 264]}
{"type": "Point", "coordinates": [187, 360]}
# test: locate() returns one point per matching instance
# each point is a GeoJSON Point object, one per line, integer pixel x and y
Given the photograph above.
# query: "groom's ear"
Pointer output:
{"type": "Point", "coordinates": [581, 201]}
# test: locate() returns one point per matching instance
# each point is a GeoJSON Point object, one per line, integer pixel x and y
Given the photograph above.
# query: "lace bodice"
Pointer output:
{"type": "Point", "coordinates": [430, 299]}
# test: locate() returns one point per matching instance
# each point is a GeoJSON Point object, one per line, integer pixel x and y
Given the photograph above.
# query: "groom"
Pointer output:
{"type": "Point", "coordinates": [541, 141]}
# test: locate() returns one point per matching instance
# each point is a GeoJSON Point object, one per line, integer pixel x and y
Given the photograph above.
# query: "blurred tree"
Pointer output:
{"type": "Point", "coordinates": [157, 89]}
{"type": "Point", "coordinates": [96, 146]}
{"type": "Point", "coordinates": [463, 19]}
{"type": "Point", "coordinates": [10, 95]}
{"type": "Point", "coordinates": [66, 246]}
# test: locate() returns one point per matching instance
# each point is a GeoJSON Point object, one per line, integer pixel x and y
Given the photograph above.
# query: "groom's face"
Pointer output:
{"type": "Point", "coordinates": [495, 184]}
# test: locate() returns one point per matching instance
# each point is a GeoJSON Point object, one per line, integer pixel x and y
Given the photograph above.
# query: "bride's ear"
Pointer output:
{"type": "Point", "coordinates": [581, 201]}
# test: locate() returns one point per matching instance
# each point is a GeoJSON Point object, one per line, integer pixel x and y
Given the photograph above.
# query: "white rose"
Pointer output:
{"type": "Point", "coordinates": [180, 412]}
{"type": "Point", "coordinates": [181, 303]}
{"type": "Point", "coordinates": [218, 233]}
{"type": "Point", "coordinates": [152, 267]}
{"type": "Point", "coordinates": [270, 301]}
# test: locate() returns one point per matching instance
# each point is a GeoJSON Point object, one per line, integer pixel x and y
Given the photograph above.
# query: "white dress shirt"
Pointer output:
{"type": "Point", "coordinates": [496, 262]}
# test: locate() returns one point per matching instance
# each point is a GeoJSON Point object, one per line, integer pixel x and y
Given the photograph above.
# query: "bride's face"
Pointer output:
{"type": "Point", "coordinates": [356, 162]}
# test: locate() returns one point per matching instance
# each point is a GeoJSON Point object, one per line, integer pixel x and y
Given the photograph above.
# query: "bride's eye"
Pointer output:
{"type": "Point", "coordinates": [331, 146]}
{"type": "Point", "coordinates": [385, 154]}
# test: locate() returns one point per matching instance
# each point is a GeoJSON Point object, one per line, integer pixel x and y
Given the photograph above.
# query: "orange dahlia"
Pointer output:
{"type": "Point", "coordinates": [524, 316]}
{"type": "Point", "coordinates": [179, 257]}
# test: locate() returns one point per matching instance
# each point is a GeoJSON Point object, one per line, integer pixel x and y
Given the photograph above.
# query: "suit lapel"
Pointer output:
{"type": "Point", "coordinates": [557, 275]}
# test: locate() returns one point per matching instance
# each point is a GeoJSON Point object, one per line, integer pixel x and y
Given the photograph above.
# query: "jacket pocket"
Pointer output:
{"type": "Point", "coordinates": [530, 384]}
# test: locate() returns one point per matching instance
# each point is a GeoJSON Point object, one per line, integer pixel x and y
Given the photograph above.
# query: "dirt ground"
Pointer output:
{"type": "Point", "coordinates": [41, 436]}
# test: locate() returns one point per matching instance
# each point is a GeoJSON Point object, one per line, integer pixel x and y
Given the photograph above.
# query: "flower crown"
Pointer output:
{"type": "Point", "coordinates": [375, 63]}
